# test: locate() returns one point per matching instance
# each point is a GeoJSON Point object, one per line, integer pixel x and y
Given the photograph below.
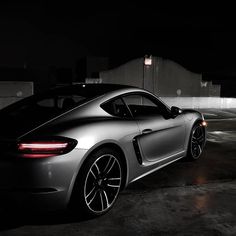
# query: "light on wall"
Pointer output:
{"type": "Point", "coordinates": [148, 60]}
{"type": "Point", "coordinates": [178, 91]}
{"type": "Point", "coordinates": [203, 84]}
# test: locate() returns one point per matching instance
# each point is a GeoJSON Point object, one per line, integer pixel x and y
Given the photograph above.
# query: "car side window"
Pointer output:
{"type": "Point", "coordinates": [116, 108]}
{"type": "Point", "coordinates": [141, 106]}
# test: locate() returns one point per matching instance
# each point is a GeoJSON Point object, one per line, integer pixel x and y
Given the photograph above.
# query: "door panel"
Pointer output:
{"type": "Point", "coordinates": [160, 136]}
{"type": "Point", "coordinates": [164, 140]}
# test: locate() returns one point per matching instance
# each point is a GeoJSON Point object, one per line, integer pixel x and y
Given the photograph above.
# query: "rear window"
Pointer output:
{"type": "Point", "coordinates": [43, 107]}
{"type": "Point", "coordinates": [37, 109]}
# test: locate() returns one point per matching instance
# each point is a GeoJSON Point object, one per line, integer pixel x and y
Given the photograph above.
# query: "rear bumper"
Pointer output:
{"type": "Point", "coordinates": [39, 184]}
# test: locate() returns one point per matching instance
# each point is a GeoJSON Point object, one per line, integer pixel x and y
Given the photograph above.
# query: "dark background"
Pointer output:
{"type": "Point", "coordinates": [39, 39]}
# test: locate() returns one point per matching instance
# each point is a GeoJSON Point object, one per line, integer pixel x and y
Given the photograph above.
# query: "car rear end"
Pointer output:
{"type": "Point", "coordinates": [38, 171]}
{"type": "Point", "coordinates": [35, 178]}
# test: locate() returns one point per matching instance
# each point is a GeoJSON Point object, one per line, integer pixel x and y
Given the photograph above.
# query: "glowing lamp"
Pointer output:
{"type": "Point", "coordinates": [148, 60]}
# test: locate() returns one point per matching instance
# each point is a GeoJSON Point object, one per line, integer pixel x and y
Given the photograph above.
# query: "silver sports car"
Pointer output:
{"type": "Point", "coordinates": [78, 146]}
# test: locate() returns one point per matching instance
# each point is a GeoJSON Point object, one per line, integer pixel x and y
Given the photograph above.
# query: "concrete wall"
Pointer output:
{"type": "Point", "coordinates": [214, 90]}
{"type": "Point", "coordinates": [163, 77]}
{"type": "Point", "coordinates": [172, 77]}
{"type": "Point", "coordinates": [209, 90]}
{"type": "Point", "coordinates": [130, 73]}
{"type": "Point", "coordinates": [12, 91]}
{"type": "Point", "coordinates": [200, 102]}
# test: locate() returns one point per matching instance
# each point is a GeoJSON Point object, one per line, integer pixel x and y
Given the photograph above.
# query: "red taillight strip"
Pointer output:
{"type": "Point", "coordinates": [42, 146]}
{"type": "Point", "coordinates": [45, 148]}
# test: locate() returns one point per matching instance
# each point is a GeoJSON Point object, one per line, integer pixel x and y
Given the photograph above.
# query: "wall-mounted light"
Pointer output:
{"type": "Point", "coordinates": [148, 60]}
{"type": "Point", "coordinates": [203, 84]}
{"type": "Point", "coordinates": [178, 91]}
{"type": "Point", "coordinates": [19, 94]}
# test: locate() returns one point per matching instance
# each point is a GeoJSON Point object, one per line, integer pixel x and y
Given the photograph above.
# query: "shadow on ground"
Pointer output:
{"type": "Point", "coordinates": [15, 218]}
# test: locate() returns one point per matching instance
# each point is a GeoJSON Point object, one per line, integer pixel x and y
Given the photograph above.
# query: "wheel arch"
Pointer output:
{"type": "Point", "coordinates": [199, 121]}
{"type": "Point", "coordinates": [189, 126]}
{"type": "Point", "coordinates": [111, 145]}
{"type": "Point", "coordinates": [196, 122]}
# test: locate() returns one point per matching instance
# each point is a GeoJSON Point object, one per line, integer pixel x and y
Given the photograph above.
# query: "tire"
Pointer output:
{"type": "Point", "coordinates": [196, 142]}
{"type": "Point", "coordinates": [98, 184]}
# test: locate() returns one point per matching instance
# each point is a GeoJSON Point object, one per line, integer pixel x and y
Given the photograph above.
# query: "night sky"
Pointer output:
{"type": "Point", "coordinates": [200, 37]}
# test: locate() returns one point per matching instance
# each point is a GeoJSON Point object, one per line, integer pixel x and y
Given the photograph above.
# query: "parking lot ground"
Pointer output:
{"type": "Point", "coordinates": [214, 113]}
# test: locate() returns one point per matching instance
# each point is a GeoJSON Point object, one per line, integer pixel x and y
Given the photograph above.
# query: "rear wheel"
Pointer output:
{"type": "Point", "coordinates": [196, 142]}
{"type": "Point", "coordinates": [98, 185]}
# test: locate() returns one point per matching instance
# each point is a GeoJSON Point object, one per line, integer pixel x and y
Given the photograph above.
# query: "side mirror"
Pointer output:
{"type": "Point", "coordinates": [175, 111]}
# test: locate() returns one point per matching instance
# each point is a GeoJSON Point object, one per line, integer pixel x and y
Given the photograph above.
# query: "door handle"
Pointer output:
{"type": "Point", "coordinates": [146, 131]}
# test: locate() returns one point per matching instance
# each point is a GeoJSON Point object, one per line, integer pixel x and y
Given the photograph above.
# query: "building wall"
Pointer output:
{"type": "Point", "coordinates": [200, 102]}
{"type": "Point", "coordinates": [12, 91]}
{"type": "Point", "coordinates": [130, 73]}
{"type": "Point", "coordinates": [209, 90]}
{"type": "Point", "coordinates": [175, 80]}
{"type": "Point", "coordinates": [215, 90]}
{"type": "Point", "coordinates": [163, 77]}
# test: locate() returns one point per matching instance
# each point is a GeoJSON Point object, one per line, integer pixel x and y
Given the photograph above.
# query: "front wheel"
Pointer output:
{"type": "Point", "coordinates": [196, 142]}
{"type": "Point", "coordinates": [98, 185]}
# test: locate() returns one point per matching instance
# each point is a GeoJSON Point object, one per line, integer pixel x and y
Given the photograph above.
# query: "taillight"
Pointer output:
{"type": "Point", "coordinates": [45, 148]}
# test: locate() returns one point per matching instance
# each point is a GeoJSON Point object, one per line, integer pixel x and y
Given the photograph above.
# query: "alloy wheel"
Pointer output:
{"type": "Point", "coordinates": [102, 183]}
{"type": "Point", "coordinates": [197, 141]}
